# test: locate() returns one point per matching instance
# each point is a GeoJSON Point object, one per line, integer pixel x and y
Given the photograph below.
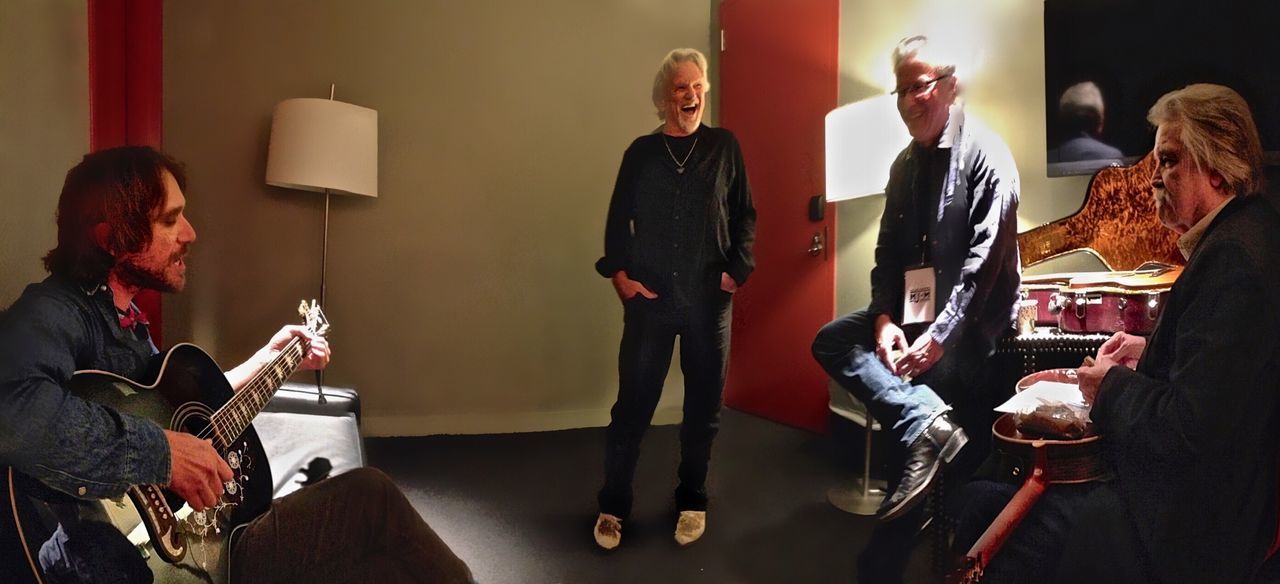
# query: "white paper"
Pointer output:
{"type": "Point", "coordinates": [1043, 392]}
{"type": "Point", "coordinates": [917, 303]}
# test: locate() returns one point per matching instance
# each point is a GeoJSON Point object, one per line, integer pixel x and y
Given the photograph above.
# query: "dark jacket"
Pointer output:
{"type": "Point", "coordinates": [972, 235]}
{"type": "Point", "coordinates": [1194, 432]}
{"type": "Point", "coordinates": [76, 446]}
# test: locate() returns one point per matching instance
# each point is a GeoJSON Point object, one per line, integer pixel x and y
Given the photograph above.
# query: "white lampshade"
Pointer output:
{"type": "Point", "coordinates": [863, 138]}
{"type": "Point", "coordinates": [319, 144]}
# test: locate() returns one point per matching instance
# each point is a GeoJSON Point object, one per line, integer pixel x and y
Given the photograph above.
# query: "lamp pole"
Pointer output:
{"type": "Point", "coordinates": [324, 264]}
{"type": "Point", "coordinates": [324, 146]}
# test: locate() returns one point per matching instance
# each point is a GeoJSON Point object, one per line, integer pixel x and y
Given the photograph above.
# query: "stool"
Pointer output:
{"type": "Point", "coordinates": [865, 496]}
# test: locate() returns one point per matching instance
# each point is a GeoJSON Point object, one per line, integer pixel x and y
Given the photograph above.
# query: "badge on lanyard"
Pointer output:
{"type": "Point", "coordinates": [919, 287]}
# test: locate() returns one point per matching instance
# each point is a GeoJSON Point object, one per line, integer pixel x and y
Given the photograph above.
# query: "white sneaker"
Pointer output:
{"type": "Point", "coordinates": [608, 531]}
{"type": "Point", "coordinates": [690, 526]}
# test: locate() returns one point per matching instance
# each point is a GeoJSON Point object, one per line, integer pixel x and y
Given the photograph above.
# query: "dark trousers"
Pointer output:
{"type": "Point", "coordinates": [1074, 533]}
{"type": "Point", "coordinates": [650, 328]}
{"type": "Point", "coordinates": [354, 527]}
{"type": "Point", "coordinates": [885, 557]}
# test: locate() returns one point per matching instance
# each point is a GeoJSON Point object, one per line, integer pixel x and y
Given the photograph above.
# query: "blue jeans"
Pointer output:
{"type": "Point", "coordinates": [846, 349]}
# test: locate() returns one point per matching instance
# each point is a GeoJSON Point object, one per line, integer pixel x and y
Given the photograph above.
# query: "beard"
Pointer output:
{"type": "Point", "coordinates": [131, 273]}
{"type": "Point", "coordinates": [1164, 207]}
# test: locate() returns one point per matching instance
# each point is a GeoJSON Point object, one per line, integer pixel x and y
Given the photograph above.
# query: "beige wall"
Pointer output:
{"type": "Point", "coordinates": [463, 298]}
{"type": "Point", "coordinates": [1002, 66]}
{"type": "Point", "coordinates": [44, 127]}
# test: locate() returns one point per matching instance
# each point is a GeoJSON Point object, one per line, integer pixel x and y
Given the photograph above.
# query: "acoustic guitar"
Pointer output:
{"type": "Point", "coordinates": [50, 537]}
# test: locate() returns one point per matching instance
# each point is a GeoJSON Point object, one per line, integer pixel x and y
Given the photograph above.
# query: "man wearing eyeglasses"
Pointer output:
{"type": "Point", "coordinates": [943, 291]}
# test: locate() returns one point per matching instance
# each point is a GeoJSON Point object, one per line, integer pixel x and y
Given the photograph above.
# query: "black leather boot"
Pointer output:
{"type": "Point", "coordinates": [936, 446]}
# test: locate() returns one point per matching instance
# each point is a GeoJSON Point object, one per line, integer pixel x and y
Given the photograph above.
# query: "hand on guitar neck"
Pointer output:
{"type": "Point", "coordinates": [196, 471]}
{"type": "Point", "coordinates": [317, 355]}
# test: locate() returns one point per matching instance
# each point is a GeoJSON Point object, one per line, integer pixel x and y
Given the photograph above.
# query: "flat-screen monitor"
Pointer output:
{"type": "Point", "coordinates": [1107, 61]}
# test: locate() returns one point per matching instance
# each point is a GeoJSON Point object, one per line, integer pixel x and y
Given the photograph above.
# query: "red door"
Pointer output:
{"type": "Point", "coordinates": [778, 79]}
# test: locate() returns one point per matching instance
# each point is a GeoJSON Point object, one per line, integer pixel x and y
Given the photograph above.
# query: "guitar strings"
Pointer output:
{"type": "Point", "coordinates": [257, 385]}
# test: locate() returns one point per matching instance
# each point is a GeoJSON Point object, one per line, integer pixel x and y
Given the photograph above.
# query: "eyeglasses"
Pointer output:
{"type": "Point", "coordinates": [919, 87]}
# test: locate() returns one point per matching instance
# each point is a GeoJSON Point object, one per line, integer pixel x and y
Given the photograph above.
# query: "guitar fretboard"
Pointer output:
{"type": "Point", "coordinates": [231, 419]}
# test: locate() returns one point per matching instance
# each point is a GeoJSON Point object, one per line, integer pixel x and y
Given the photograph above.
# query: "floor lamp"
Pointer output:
{"type": "Point", "coordinates": [326, 146]}
{"type": "Point", "coordinates": [862, 140]}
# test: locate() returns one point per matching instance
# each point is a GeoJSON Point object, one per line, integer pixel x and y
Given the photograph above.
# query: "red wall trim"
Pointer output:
{"type": "Point", "coordinates": [107, 103]}
{"type": "Point", "coordinates": [126, 83]}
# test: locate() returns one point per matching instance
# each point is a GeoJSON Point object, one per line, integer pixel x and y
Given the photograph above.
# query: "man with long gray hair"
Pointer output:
{"type": "Point", "coordinates": [1189, 416]}
{"type": "Point", "coordinates": [677, 246]}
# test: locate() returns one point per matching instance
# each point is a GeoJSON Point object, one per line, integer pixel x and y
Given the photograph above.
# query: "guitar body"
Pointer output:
{"type": "Point", "coordinates": [1117, 223]}
{"type": "Point", "coordinates": [188, 388]}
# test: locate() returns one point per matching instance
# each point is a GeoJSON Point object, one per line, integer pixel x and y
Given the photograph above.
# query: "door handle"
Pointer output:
{"type": "Point", "coordinates": [815, 245]}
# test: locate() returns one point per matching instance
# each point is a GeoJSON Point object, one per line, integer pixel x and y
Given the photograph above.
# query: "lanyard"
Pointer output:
{"type": "Point", "coordinates": [924, 165]}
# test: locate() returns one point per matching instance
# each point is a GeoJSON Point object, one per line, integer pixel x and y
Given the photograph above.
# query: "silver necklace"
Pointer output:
{"type": "Point", "coordinates": [679, 163]}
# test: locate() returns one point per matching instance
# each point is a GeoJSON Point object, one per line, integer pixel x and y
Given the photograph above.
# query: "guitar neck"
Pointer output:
{"type": "Point", "coordinates": [232, 418]}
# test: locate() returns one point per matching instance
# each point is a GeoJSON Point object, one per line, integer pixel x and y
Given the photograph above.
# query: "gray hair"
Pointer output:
{"type": "Point", "coordinates": [667, 70]}
{"type": "Point", "coordinates": [915, 48]}
{"type": "Point", "coordinates": [1217, 130]}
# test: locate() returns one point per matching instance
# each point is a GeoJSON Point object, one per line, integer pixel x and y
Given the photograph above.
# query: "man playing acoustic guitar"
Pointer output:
{"type": "Point", "coordinates": [122, 229]}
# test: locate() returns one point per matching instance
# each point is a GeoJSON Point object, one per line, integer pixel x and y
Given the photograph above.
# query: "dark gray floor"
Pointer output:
{"type": "Point", "coordinates": [519, 508]}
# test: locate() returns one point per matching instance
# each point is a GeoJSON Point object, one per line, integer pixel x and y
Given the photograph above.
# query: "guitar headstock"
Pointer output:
{"type": "Point", "coordinates": [313, 318]}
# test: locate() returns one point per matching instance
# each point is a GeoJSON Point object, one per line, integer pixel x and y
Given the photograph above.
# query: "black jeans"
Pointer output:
{"type": "Point", "coordinates": [1074, 533]}
{"type": "Point", "coordinates": [354, 527]}
{"type": "Point", "coordinates": [649, 331]}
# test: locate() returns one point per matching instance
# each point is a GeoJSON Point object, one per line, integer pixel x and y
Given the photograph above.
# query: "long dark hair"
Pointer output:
{"type": "Point", "coordinates": [122, 187]}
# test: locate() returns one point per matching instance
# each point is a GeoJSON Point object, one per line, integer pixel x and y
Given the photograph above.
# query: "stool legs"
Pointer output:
{"type": "Point", "coordinates": [866, 496]}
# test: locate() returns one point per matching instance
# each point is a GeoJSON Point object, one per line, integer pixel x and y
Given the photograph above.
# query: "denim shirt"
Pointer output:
{"type": "Point", "coordinates": [973, 235]}
{"type": "Point", "coordinates": [70, 444]}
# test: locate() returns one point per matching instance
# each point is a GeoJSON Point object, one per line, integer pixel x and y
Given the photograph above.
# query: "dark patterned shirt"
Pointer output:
{"type": "Point", "coordinates": [676, 232]}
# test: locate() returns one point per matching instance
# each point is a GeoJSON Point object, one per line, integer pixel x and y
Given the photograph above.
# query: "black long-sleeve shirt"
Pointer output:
{"type": "Point", "coordinates": [675, 232]}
